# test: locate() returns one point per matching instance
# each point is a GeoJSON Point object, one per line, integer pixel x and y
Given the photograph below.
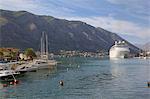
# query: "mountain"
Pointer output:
{"type": "Point", "coordinates": [22, 29]}
{"type": "Point", "coordinates": [138, 45]}
{"type": "Point", "coordinates": [146, 46]}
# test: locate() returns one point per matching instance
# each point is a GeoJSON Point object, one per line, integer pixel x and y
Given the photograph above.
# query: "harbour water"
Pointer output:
{"type": "Point", "coordinates": [85, 78]}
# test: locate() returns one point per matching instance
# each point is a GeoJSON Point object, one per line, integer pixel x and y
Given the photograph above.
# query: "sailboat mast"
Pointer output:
{"type": "Point", "coordinates": [46, 45]}
{"type": "Point", "coordinates": [41, 46]}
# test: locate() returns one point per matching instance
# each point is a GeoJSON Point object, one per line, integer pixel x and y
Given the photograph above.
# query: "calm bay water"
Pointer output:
{"type": "Point", "coordinates": [85, 78]}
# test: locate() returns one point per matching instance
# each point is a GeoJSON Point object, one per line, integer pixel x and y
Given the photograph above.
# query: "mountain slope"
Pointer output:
{"type": "Point", "coordinates": [22, 29]}
{"type": "Point", "coordinates": [146, 46]}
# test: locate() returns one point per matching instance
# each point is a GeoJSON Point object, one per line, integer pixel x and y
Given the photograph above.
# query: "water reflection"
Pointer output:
{"type": "Point", "coordinates": [116, 67]}
{"type": "Point", "coordinates": [1, 86]}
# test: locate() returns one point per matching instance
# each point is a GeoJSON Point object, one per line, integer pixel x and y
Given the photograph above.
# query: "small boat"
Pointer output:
{"type": "Point", "coordinates": [41, 63]}
{"type": "Point", "coordinates": [25, 68]}
{"type": "Point", "coordinates": [6, 72]}
{"type": "Point", "coordinates": [35, 65]}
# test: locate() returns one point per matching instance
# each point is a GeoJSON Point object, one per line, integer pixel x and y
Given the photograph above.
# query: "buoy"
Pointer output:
{"type": "Point", "coordinates": [16, 81]}
{"type": "Point", "coordinates": [78, 66]}
{"type": "Point", "coordinates": [5, 85]}
{"type": "Point", "coordinates": [11, 83]}
{"type": "Point", "coordinates": [148, 84]}
{"type": "Point", "coordinates": [61, 83]}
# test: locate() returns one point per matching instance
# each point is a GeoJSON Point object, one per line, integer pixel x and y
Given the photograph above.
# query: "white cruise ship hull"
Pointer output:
{"type": "Point", "coordinates": [119, 52]}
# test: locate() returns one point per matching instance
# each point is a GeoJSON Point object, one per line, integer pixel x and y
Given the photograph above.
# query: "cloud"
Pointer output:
{"type": "Point", "coordinates": [137, 4]}
{"type": "Point", "coordinates": [42, 7]}
{"type": "Point", "coordinates": [136, 8]}
{"type": "Point", "coordinates": [18, 4]}
{"type": "Point", "coordinates": [116, 26]}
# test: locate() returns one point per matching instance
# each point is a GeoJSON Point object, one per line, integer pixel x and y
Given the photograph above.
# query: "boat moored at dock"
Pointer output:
{"type": "Point", "coordinates": [6, 72]}
{"type": "Point", "coordinates": [43, 62]}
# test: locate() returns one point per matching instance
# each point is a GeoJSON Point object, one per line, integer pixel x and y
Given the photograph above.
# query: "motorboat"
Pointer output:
{"type": "Point", "coordinates": [25, 68]}
{"type": "Point", "coordinates": [6, 72]}
{"type": "Point", "coordinates": [41, 63]}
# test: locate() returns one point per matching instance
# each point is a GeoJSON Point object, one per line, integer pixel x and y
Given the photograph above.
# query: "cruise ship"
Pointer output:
{"type": "Point", "coordinates": [119, 50]}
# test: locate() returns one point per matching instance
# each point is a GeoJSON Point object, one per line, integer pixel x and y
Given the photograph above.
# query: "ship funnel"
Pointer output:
{"type": "Point", "coordinates": [116, 42]}
{"type": "Point", "coordinates": [119, 42]}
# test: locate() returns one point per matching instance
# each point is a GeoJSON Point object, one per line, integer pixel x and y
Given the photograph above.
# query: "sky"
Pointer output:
{"type": "Point", "coordinates": [128, 18]}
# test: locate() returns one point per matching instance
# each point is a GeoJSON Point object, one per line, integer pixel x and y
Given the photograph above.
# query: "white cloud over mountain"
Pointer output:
{"type": "Point", "coordinates": [117, 26]}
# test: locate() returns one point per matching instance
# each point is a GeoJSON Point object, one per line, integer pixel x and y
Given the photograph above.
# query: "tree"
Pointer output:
{"type": "Point", "coordinates": [1, 55]}
{"type": "Point", "coordinates": [29, 52]}
{"type": "Point", "coordinates": [13, 55]}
